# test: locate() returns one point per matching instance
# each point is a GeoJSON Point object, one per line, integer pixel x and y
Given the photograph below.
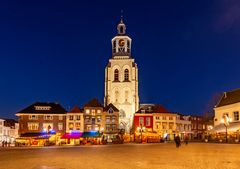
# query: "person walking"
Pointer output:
{"type": "Point", "coordinates": [177, 141]}
{"type": "Point", "coordinates": [186, 138]}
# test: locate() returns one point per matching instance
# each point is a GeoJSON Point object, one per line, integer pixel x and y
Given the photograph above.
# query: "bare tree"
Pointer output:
{"type": "Point", "coordinates": [209, 111]}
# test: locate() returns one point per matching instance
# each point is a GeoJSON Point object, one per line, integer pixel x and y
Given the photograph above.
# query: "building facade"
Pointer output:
{"type": "Point", "coordinates": [40, 123]}
{"type": "Point", "coordinates": [198, 127]}
{"type": "Point", "coordinates": [184, 126]}
{"type": "Point", "coordinates": [75, 120]}
{"type": "Point", "coordinates": [121, 79]}
{"type": "Point", "coordinates": [93, 116]}
{"type": "Point", "coordinates": [8, 132]}
{"type": "Point", "coordinates": [228, 105]}
{"type": "Point", "coordinates": [110, 122]}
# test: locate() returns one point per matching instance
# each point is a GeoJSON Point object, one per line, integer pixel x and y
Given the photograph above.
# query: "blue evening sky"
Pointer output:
{"type": "Point", "coordinates": [56, 51]}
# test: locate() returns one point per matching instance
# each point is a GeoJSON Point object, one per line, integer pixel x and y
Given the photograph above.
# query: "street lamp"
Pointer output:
{"type": "Point", "coordinates": [226, 121]}
{"type": "Point", "coordinates": [141, 129]}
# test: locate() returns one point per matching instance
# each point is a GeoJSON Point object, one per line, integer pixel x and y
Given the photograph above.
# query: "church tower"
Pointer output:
{"type": "Point", "coordinates": [121, 79]}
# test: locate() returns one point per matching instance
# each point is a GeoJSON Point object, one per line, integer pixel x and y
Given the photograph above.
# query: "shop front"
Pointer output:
{"type": "Point", "coordinates": [72, 138]}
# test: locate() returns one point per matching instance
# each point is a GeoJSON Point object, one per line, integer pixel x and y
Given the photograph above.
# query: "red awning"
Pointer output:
{"type": "Point", "coordinates": [72, 135]}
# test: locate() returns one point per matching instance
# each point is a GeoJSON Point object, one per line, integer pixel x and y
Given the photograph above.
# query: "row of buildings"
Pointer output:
{"type": "Point", "coordinates": [121, 118]}
{"type": "Point", "coordinates": [50, 124]}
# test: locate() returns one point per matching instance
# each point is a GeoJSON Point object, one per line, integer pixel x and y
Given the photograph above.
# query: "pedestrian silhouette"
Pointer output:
{"type": "Point", "coordinates": [177, 141]}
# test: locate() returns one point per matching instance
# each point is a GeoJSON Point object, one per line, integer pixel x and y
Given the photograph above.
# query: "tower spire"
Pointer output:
{"type": "Point", "coordinates": [121, 26]}
{"type": "Point", "coordinates": [121, 15]}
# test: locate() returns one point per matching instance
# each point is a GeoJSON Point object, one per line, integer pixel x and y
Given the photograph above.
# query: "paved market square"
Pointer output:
{"type": "Point", "coordinates": [124, 156]}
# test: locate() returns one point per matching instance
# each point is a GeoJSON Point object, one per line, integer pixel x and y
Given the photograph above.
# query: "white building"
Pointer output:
{"type": "Point", "coordinates": [121, 79]}
{"type": "Point", "coordinates": [8, 131]}
{"type": "Point", "coordinates": [228, 105]}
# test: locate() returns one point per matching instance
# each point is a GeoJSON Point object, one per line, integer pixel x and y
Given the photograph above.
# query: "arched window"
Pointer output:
{"type": "Point", "coordinates": [128, 46]}
{"type": "Point", "coordinates": [116, 75]}
{"type": "Point", "coordinates": [126, 75]}
{"type": "Point", "coordinates": [116, 96]}
{"type": "Point", "coordinates": [121, 29]}
{"type": "Point", "coordinates": [114, 46]}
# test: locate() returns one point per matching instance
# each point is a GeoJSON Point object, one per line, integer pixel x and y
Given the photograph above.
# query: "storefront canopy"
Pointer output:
{"type": "Point", "coordinates": [232, 127]}
{"type": "Point", "coordinates": [34, 135]}
{"type": "Point", "coordinates": [91, 134]}
{"type": "Point", "coordinates": [72, 135]}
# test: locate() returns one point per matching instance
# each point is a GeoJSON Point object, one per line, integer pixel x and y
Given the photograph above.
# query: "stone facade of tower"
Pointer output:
{"type": "Point", "coordinates": [121, 79]}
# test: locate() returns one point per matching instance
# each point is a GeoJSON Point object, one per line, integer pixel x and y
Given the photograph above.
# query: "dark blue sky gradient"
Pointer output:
{"type": "Point", "coordinates": [56, 51]}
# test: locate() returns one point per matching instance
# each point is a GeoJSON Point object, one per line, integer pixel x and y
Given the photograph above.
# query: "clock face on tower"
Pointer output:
{"type": "Point", "coordinates": [121, 42]}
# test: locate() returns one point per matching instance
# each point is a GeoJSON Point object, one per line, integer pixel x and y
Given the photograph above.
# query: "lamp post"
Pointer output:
{"type": "Point", "coordinates": [226, 121]}
{"type": "Point", "coordinates": [141, 129]}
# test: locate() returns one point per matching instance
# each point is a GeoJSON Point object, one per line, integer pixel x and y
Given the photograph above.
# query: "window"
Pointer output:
{"type": "Point", "coordinates": [89, 127]}
{"type": "Point", "coordinates": [87, 119]}
{"type": "Point", "coordinates": [128, 46]}
{"type": "Point", "coordinates": [60, 117]}
{"type": "Point", "coordinates": [114, 127]}
{"type": "Point", "coordinates": [93, 112]}
{"type": "Point", "coordinates": [78, 125]}
{"type": "Point", "coordinates": [141, 121]}
{"type": "Point", "coordinates": [33, 117]}
{"type": "Point", "coordinates": [171, 126]}
{"type": "Point", "coordinates": [164, 118]}
{"type": "Point", "coordinates": [236, 116]}
{"type": "Point", "coordinates": [78, 117]}
{"type": "Point", "coordinates": [107, 127]}
{"type": "Point", "coordinates": [42, 107]}
{"type": "Point", "coordinates": [1, 123]}
{"type": "Point", "coordinates": [60, 126]}
{"type": "Point", "coordinates": [70, 117]}
{"type": "Point", "coordinates": [0, 130]}
{"type": "Point", "coordinates": [126, 96]}
{"type": "Point", "coordinates": [148, 121]}
{"type": "Point", "coordinates": [48, 117]}
{"type": "Point", "coordinates": [110, 111]}
{"type": "Point", "coordinates": [116, 75]}
{"type": "Point", "coordinates": [98, 119]}
{"type": "Point", "coordinates": [87, 111]}
{"type": "Point", "coordinates": [224, 115]}
{"type": "Point", "coordinates": [108, 119]}
{"type": "Point", "coordinates": [157, 118]}
{"type": "Point", "coordinates": [98, 111]}
{"type": "Point", "coordinates": [48, 126]}
{"type": "Point", "coordinates": [116, 96]}
{"type": "Point", "coordinates": [164, 125]}
{"type": "Point", "coordinates": [113, 119]}
{"type": "Point", "coordinates": [170, 118]}
{"type": "Point", "coordinates": [121, 29]}
{"type": "Point", "coordinates": [70, 126]}
{"type": "Point", "coordinates": [33, 126]}
{"type": "Point", "coordinates": [126, 75]}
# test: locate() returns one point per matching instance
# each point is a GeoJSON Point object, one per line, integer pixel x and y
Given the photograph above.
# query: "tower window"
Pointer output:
{"type": "Point", "coordinates": [126, 75]}
{"type": "Point", "coordinates": [121, 29]}
{"type": "Point", "coordinates": [128, 46]}
{"type": "Point", "coordinates": [114, 46]}
{"type": "Point", "coordinates": [116, 75]}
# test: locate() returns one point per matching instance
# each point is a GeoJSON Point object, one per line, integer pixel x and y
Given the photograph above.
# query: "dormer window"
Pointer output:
{"type": "Point", "coordinates": [42, 107]}
{"type": "Point", "coordinates": [110, 111]}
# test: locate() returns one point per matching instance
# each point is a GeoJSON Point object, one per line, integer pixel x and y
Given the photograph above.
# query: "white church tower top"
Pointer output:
{"type": "Point", "coordinates": [121, 43]}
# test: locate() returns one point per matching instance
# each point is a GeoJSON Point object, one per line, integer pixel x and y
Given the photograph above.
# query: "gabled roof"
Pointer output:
{"type": "Point", "coordinates": [55, 108]}
{"type": "Point", "coordinates": [230, 97]}
{"type": "Point", "coordinates": [93, 103]}
{"type": "Point", "coordinates": [111, 106]}
{"type": "Point", "coordinates": [75, 109]}
{"type": "Point", "coordinates": [153, 108]}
